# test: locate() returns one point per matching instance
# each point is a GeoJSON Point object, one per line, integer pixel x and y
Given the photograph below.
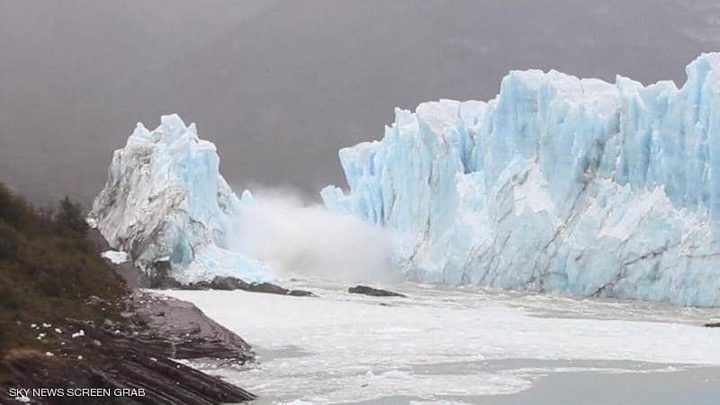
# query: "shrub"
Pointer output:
{"type": "Point", "coordinates": [14, 210]}
{"type": "Point", "coordinates": [9, 241]}
{"type": "Point", "coordinates": [50, 287]}
{"type": "Point", "coordinates": [70, 218]}
{"type": "Point", "coordinates": [10, 299]}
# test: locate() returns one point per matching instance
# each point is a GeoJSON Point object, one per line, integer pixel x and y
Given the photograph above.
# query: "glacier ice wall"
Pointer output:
{"type": "Point", "coordinates": [165, 200]}
{"type": "Point", "coordinates": [558, 184]}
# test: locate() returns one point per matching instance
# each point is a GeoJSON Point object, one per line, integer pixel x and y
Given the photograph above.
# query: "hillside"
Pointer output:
{"type": "Point", "coordinates": [48, 269]}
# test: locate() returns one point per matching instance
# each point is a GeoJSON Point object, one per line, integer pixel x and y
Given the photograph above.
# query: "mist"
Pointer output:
{"type": "Point", "coordinates": [304, 239]}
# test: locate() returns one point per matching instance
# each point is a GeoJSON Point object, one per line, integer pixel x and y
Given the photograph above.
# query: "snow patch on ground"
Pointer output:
{"type": "Point", "coordinates": [115, 256]}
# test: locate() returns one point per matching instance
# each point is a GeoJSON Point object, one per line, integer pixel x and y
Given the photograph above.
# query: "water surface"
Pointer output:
{"type": "Point", "coordinates": [442, 345]}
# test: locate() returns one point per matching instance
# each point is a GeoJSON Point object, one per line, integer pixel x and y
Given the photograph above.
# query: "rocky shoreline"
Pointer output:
{"type": "Point", "coordinates": [132, 357]}
{"type": "Point", "coordinates": [179, 330]}
{"type": "Point", "coordinates": [123, 348]}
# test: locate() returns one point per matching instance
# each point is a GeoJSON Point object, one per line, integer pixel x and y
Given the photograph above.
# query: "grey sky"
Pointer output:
{"type": "Point", "coordinates": [279, 86]}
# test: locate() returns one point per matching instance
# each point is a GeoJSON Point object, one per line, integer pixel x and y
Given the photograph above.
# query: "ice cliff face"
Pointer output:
{"type": "Point", "coordinates": [165, 200]}
{"type": "Point", "coordinates": [558, 184]}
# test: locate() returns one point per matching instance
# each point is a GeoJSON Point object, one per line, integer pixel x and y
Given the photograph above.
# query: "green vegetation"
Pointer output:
{"type": "Point", "coordinates": [48, 269]}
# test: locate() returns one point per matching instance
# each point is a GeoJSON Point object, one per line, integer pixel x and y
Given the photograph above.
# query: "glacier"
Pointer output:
{"type": "Point", "coordinates": [559, 184]}
{"type": "Point", "coordinates": [165, 201]}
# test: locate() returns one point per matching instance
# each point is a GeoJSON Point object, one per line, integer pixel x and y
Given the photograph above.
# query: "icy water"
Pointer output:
{"type": "Point", "coordinates": [458, 346]}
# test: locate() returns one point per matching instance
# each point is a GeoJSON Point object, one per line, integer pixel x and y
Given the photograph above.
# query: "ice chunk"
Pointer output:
{"type": "Point", "coordinates": [115, 257]}
{"type": "Point", "coordinates": [165, 200]}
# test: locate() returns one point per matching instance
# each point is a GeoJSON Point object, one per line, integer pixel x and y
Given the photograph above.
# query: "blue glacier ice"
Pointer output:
{"type": "Point", "coordinates": [558, 184]}
{"type": "Point", "coordinates": [165, 201]}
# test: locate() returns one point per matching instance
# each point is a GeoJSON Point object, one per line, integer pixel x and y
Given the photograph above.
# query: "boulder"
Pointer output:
{"type": "Point", "coordinates": [373, 292]}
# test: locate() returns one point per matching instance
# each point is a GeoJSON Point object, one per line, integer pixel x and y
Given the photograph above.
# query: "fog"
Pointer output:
{"type": "Point", "coordinates": [281, 85]}
{"type": "Point", "coordinates": [302, 239]}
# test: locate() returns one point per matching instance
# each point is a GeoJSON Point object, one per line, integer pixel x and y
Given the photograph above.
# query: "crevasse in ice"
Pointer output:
{"type": "Point", "coordinates": [558, 184]}
{"type": "Point", "coordinates": [165, 200]}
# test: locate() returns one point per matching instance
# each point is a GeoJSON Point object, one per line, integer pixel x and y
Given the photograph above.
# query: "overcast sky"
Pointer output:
{"type": "Point", "coordinates": [280, 86]}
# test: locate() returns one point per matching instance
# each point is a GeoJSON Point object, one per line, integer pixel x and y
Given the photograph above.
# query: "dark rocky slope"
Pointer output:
{"type": "Point", "coordinates": [119, 360]}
